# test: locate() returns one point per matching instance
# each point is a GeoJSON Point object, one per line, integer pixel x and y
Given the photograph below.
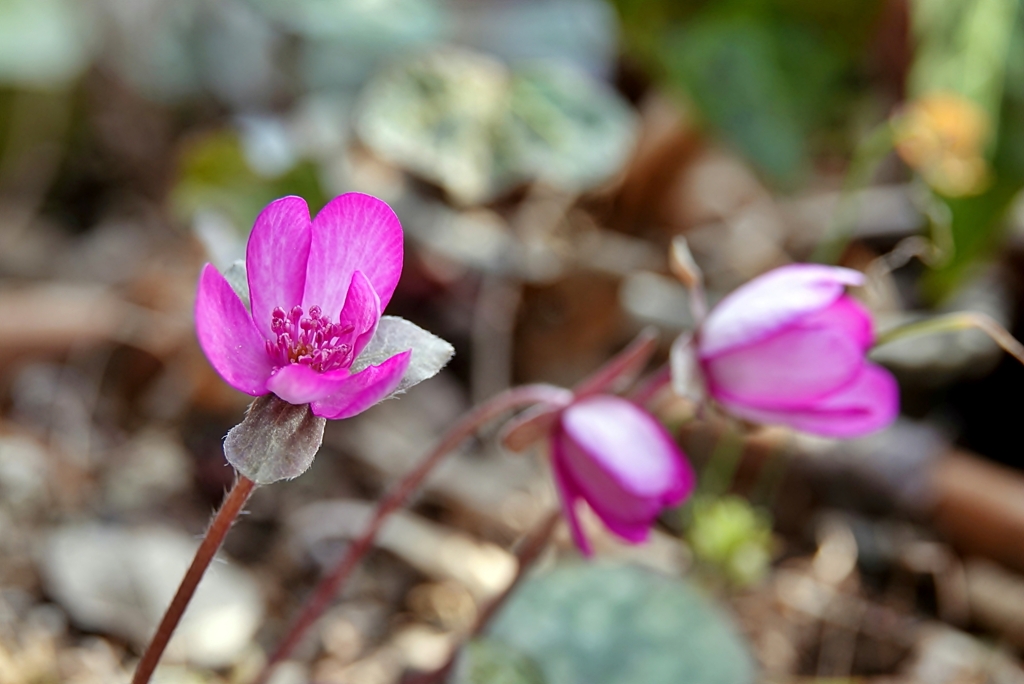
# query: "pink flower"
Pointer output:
{"type": "Point", "coordinates": [789, 348]}
{"type": "Point", "coordinates": [316, 289]}
{"type": "Point", "coordinates": [621, 461]}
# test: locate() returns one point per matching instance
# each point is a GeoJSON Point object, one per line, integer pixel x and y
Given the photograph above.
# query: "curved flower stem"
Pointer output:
{"type": "Point", "coordinates": [218, 529]}
{"type": "Point", "coordinates": [526, 556]}
{"type": "Point", "coordinates": [719, 473]}
{"type": "Point", "coordinates": [330, 584]}
{"type": "Point", "coordinates": [961, 320]}
{"type": "Point", "coordinates": [646, 390]}
{"type": "Point", "coordinates": [623, 367]}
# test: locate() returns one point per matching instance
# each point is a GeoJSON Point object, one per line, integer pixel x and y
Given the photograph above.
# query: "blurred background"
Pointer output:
{"type": "Point", "coordinates": [542, 155]}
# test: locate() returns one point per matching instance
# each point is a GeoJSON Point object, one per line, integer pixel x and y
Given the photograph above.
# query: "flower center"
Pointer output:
{"type": "Point", "coordinates": [311, 340]}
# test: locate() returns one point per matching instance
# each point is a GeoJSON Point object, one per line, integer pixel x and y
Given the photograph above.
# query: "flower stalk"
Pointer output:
{"type": "Point", "coordinates": [526, 556]}
{"type": "Point", "coordinates": [212, 541]}
{"type": "Point", "coordinates": [961, 320]}
{"type": "Point", "coordinates": [623, 368]}
{"type": "Point", "coordinates": [332, 583]}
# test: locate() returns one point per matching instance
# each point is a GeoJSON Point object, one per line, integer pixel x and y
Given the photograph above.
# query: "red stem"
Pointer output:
{"type": "Point", "coordinates": [218, 529]}
{"type": "Point", "coordinates": [329, 586]}
{"type": "Point", "coordinates": [623, 367]}
{"type": "Point", "coordinates": [527, 555]}
{"type": "Point", "coordinates": [651, 386]}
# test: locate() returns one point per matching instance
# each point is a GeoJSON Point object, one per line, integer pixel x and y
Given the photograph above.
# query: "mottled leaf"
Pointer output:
{"type": "Point", "coordinates": [435, 115]}
{"type": "Point", "coordinates": [462, 120]}
{"type": "Point", "coordinates": [489, 661]}
{"type": "Point", "coordinates": [600, 623]}
{"type": "Point", "coordinates": [566, 128]}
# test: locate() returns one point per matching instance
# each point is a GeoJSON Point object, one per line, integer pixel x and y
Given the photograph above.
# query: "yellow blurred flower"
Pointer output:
{"type": "Point", "coordinates": [943, 137]}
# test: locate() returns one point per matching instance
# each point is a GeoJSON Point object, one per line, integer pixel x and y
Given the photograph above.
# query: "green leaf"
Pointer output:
{"type": "Point", "coordinates": [731, 69]}
{"type": "Point", "coordinates": [489, 661]}
{"type": "Point", "coordinates": [436, 115]}
{"type": "Point", "coordinates": [462, 120]}
{"type": "Point", "coordinates": [566, 128]}
{"type": "Point", "coordinates": [601, 623]}
{"type": "Point", "coordinates": [975, 227]}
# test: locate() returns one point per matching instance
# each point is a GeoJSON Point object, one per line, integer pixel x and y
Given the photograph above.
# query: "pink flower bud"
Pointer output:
{"type": "Point", "coordinates": [621, 461]}
{"type": "Point", "coordinates": [789, 348]}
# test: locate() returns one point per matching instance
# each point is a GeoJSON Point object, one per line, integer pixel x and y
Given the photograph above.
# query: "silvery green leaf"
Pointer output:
{"type": "Point", "coordinates": [489, 661]}
{"type": "Point", "coordinates": [276, 441]}
{"type": "Point", "coordinates": [437, 115]}
{"type": "Point", "coordinates": [238, 280]}
{"type": "Point", "coordinates": [599, 623]}
{"type": "Point", "coordinates": [566, 128]}
{"type": "Point", "coordinates": [395, 335]}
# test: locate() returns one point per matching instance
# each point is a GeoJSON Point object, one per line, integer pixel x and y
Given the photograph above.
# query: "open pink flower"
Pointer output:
{"type": "Point", "coordinates": [789, 348]}
{"type": "Point", "coordinates": [621, 461]}
{"type": "Point", "coordinates": [316, 290]}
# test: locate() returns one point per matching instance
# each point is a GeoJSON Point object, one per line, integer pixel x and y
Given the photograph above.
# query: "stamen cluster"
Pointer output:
{"type": "Point", "coordinates": [311, 340]}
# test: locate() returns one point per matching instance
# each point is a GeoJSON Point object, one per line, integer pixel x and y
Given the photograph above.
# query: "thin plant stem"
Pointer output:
{"type": "Point", "coordinates": [622, 368]}
{"type": "Point", "coordinates": [332, 583]}
{"type": "Point", "coordinates": [528, 553]}
{"type": "Point", "coordinates": [961, 320]}
{"type": "Point", "coordinates": [218, 529]}
{"type": "Point", "coordinates": [718, 473]}
{"type": "Point", "coordinates": [650, 386]}
{"type": "Point", "coordinates": [772, 474]}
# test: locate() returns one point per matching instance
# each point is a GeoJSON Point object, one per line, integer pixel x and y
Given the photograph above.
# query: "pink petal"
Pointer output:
{"type": "Point", "coordinates": [361, 311]}
{"type": "Point", "coordinates": [622, 461]}
{"type": "Point", "coordinates": [771, 302]}
{"type": "Point", "coordinates": [569, 497]}
{"type": "Point", "coordinates": [353, 232]}
{"type": "Point", "coordinates": [276, 257]}
{"type": "Point", "coordinates": [632, 532]}
{"type": "Point", "coordinates": [362, 390]}
{"type": "Point", "coordinates": [229, 338]}
{"type": "Point", "coordinates": [848, 315]}
{"type": "Point", "coordinates": [790, 368]}
{"type": "Point", "coordinates": [869, 403]}
{"type": "Point", "coordinates": [297, 383]}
